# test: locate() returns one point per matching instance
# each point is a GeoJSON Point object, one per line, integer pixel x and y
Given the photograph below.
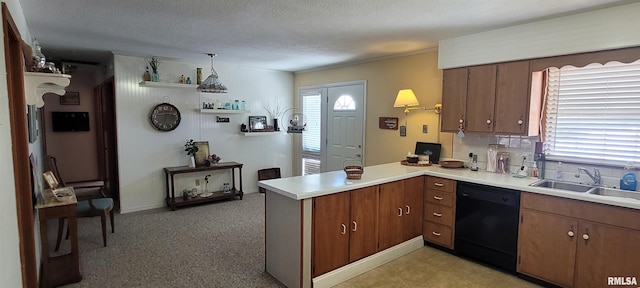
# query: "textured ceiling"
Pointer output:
{"type": "Point", "coordinates": [288, 35]}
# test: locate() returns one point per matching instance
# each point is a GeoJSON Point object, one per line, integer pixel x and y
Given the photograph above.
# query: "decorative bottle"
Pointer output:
{"type": "Point", "coordinates": [559, 171]}
{"type": "Point", "coordinates": [147, 75]}
{"type": "Point", "coordinates": [628, 180]}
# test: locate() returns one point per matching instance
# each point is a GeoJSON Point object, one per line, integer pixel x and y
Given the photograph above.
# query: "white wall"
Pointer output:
{"type": "Point", "coordinates": [143, 152]}
{"type": "Point", "coordinates": [10, 271]}
{"type": "Point", "coordinates": [604, 29]}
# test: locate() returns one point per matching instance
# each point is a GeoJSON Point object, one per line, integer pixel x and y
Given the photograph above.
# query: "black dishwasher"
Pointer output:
{"type": "Point", "coordinates": [487, 224]}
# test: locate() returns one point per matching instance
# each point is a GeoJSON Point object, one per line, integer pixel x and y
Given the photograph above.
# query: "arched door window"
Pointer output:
{"type": "Point", "coordinates": [344, 103]}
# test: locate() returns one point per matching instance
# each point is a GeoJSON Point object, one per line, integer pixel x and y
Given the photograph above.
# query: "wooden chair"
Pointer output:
{"type": "Point", "coordinates": [96, 203]}
{"type": "Point", "coordinates": [266, 174]}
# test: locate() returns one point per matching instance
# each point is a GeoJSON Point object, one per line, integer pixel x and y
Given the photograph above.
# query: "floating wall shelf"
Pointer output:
{"type": "Point", "coordinates": [167, 85]}
{"type": "Point", "coordinates": [262, 133]}
{"type": "Point", "coordinates": [37, 84]}
{"type": "Point", "coordinates": [223, 111]}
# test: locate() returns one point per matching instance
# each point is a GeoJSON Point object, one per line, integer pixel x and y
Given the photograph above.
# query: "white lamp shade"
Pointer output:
{"type": "Point", "coordinates": [406, 98]}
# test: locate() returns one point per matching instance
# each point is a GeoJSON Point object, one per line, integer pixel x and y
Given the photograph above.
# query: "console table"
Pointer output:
{"type": "Point", "coordinates": [174, 202]}
{"type": "Point", "coordinates": [63, 269]}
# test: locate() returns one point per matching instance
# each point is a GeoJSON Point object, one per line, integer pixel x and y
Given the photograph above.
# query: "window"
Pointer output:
{"type": "Point", "coordinates": [311, 108]}
{"type": "Point", "coordinates": [592, 114]}
{"type": "Point", "coordinates": [344, 103]}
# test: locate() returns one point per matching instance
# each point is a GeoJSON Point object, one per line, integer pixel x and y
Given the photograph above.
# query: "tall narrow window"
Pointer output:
{"type": "Point", "coordinates": [311, 108]}
{"type": "Point", "coordinates": [593, 113]}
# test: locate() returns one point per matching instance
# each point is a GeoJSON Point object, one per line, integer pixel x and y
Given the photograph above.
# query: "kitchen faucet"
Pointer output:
{"type": "Point", "coordinates": [596, 177]}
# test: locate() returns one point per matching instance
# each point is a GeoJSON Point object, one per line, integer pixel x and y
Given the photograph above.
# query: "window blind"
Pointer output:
{"type": "Point", "coordinates": [593, 114]}
{"type": "Point", "coordinates": [311, 108]}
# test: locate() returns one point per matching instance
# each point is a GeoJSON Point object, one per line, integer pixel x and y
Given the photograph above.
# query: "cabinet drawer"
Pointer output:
{"type": "Point", "coordinates": [437, 233]}
{"type": "Point", "coordinates": [438, 214]}
{"type": "Point", "coordinates": [441, 184]}
{"type": "Point", "coordinates": [439, 197]}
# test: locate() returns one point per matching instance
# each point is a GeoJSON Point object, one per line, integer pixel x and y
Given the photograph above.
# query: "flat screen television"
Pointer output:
{"type": "Point", "coordinates": [70, 121]}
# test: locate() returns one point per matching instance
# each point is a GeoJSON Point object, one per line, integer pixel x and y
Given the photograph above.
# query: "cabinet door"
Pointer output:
{"type": "Point", "coordinates": [363, 240]}
{"type": "Point", "coordinates": [609, 252]}
{"type": "Point", "coordinates": [390, 231]}
{"type": "Point", "coordinates": [454, 98]}
{"type": "Point", "coordinates": [330, 232]}
{"type": "Point", "coordinates": [512, 98]}
{"type": "Point", "coordinates": [481, 95]}
{"type": "Point", "coordinates": [545, 248]}
{"type": "Point", "coordinates": [413, 205]}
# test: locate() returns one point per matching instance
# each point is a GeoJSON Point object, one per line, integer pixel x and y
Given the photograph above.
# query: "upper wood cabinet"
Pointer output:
{"type": "Point", "coordinates": [492, 98]}
{"type": "Point", "coordinates": [454, 98]}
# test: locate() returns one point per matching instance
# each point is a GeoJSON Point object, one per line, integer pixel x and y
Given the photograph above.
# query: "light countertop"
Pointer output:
{"type": "Point", "coordinates": [303, 187]}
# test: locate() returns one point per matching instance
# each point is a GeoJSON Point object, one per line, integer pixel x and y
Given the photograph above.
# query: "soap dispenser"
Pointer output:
{"type": "Point", "coordinates": [628, 179]}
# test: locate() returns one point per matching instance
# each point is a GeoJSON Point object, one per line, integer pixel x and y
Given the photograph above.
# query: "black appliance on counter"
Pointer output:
{"type": "Point", "coordinates": [487, 224]}
{"type": "Point", "coordinates": [431, 149]}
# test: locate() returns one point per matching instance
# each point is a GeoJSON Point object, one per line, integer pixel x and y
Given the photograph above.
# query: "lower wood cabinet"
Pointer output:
{"type": "Point", "coordinates": [401, 210]}
{"type": "Point", "coordinates": [344, 228]}
{"type": "Point", "coordinates": [439, 211]}
{"type": "Point", "coordinates": [574, 243]}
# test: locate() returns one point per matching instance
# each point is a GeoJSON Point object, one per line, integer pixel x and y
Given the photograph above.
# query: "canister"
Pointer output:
{"type": "Point", "coordinates": [503, 162]}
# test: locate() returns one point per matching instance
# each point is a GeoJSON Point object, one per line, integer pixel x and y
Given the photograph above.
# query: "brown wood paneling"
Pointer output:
{"type": "Point", "coordinates": [441, 184]}
{"type": "Point", "coordinates": [363, 225]}
{"type": "Point", "coordinates": [545, 249]}
{"type": "Point", "coordinates": [413, 205]}
{"type": "Point", "coordinates": [438, 214]}
{"type": "Point", "coordinates": [481, 95]}
{"type": "Point", "coordinates": [602, 213]}
{"type": "Point", "coordinates": [454, 95]}
{"type": "Point", "coordinates": [512, 98]}
{"type": "Point", "coordinates": [439, 197]}
{"type": "Point", "coordinates": [610, 251]}
{"type": "Point", "coordinates": [330, 233]}
{"type": "Point", "coordinates": [390, 229]}
{"type": "Point", "coordinates": [439, 234]}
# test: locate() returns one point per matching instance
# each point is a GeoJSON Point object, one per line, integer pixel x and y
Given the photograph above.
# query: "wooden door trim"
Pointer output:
{"type": "Point", "coordinates": [21, 172]}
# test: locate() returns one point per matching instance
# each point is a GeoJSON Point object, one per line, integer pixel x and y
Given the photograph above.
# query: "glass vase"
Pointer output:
{"type": "Point", "coordinates": [155, 77]}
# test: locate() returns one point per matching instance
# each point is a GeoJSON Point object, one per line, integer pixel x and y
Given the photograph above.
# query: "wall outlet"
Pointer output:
{"type": "Point", "coordinates": [197, 182]}
{"type": "Point", "coordinates": [425, 128]}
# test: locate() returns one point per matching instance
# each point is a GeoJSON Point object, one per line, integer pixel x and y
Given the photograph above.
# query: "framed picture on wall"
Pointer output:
{"type": "Point", "coordinates": [70, 98]}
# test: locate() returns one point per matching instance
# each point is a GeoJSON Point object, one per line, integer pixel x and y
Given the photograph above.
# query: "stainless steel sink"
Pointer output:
{"type": "Point", "coordinates": [614, 192]}
{"type": "Point", "coordinates": [567, 186]}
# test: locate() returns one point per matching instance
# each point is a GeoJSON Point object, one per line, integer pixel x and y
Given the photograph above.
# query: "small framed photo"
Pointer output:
{"type": "Point", "coordinates": [70, 98]}
{"type": "Point", "coordinates": [257, 123]}
{"type": "Point", "coordinates": [51, 180]}
{"type": "Point", "coordinates": [390, 123]}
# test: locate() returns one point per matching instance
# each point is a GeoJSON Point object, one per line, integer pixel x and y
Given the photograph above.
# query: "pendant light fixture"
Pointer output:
{"type": "Point", "coordinates": [212, 84]}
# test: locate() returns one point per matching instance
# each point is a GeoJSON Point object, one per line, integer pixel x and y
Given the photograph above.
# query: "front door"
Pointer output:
{"type": "Point", "coordinates": [345, 129]}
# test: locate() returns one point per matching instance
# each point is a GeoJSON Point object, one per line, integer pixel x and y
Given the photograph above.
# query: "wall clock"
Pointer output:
{"type": "Point", "coordinates": [165, 117]}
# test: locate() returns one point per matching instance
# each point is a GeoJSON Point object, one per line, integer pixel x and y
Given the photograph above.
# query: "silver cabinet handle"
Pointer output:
{"type": "Point", "coordinates": [437, 214]}
{"type": "Point", "coordinates": [436, 234]}
{"type": "Point", "coordinates": [344, 229]}
{"type": "Point", "coordinates": [438, 184]}
{"type": "Point", "coordinates": [355, 226]}
{"type": "Point", "coordinates": [399, 211]}
{"type": "Point", "coordinates": [437, 198]}
{"type": "Point", "coordinates": [408, 209]}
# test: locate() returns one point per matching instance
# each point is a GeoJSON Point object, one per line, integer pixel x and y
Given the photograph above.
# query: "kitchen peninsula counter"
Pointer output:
{"type": "Point", "coordinates": [289, 216]}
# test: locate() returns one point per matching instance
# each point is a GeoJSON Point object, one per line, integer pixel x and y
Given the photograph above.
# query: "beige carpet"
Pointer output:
{"type": "Point", "coordinates": [214, 245]}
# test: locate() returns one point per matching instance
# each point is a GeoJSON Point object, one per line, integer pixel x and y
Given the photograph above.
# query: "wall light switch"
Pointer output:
{"type": "Point", "coordinates": [197, 182]}
{"type": "Point", "coordinates": [403, 131]}
{"type": "Point", "coordinates": [425, 128]}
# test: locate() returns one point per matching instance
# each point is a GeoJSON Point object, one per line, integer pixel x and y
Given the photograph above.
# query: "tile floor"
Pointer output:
{"type": "Point", "coordinates": [430, 267]}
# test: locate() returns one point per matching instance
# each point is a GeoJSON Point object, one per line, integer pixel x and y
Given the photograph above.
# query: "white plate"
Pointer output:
{"type": "Point", "coordinates": [205, 195]}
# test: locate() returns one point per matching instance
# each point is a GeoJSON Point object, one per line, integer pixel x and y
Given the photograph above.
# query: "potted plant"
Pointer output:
{"type": "Point", "coordinates": [153, 62]}
{"type": "Point", "coordinates": [191, 149]}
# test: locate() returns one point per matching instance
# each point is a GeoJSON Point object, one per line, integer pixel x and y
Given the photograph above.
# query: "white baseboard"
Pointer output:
{"type": "Point", "coordinates": [354, 269]}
